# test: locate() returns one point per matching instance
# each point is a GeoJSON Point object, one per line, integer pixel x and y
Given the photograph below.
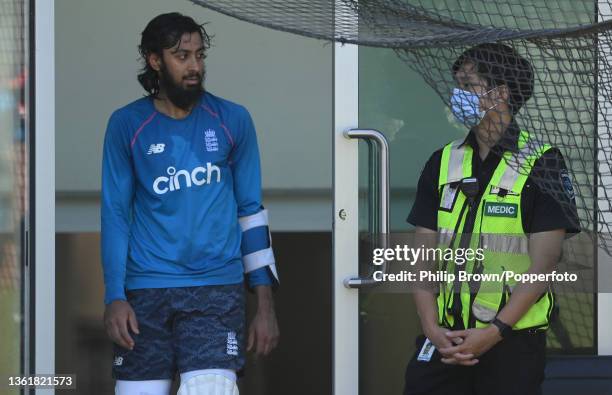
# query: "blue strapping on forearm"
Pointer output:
{"type": "Point", "coordinates": [255, 239]}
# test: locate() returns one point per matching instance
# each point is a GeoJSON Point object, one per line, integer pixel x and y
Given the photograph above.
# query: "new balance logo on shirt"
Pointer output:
{"type": "Point", "coordinates": [178, 178]}
{"type": "Point", "coordinates": [156, 149]}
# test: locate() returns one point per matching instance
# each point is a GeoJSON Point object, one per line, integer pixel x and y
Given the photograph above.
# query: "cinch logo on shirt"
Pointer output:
{"type": "Point", "coordinates": [156, 149]}
{"type": "Point", "coordinates": [177, 179]}
{"type": "Point", "coordinates": [501, 209]}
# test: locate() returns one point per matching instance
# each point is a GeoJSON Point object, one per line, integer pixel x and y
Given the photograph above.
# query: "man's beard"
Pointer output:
{"type": "Point", "coordinates": [183, 98]}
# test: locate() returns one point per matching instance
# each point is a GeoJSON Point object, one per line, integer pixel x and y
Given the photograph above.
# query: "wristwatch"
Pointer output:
{"type": "Point", "coordinates": [505, 330]}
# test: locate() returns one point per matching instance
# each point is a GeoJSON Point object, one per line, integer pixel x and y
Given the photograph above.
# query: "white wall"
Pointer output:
{"type": "Point", "coordinates": [283, 79]}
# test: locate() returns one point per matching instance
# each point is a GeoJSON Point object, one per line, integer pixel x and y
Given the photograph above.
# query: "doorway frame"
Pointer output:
{"type": "Point", "coordinates": [42, 191]}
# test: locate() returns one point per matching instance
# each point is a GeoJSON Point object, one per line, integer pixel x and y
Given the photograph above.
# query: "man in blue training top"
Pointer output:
{"type": "Point", "coordinates": [182, 221]}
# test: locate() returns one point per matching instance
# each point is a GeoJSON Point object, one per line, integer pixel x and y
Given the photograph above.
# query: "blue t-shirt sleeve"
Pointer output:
{"type": "Point", "coordinates": [116, 204]}
{"type": "Point", "coordinates": [246, 169]}
{"type": "Point", "coordinates": [260, 276]}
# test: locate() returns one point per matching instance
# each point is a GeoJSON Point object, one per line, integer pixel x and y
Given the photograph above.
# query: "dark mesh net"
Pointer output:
{"type": "Point", "coordinates": [562, 99]}
{"type": "Point", "coordinates": [12, 154]}
{"type": "Point", "coordinates": [544, 66]}
{"type": "Point", "coordinates": [12, 184]}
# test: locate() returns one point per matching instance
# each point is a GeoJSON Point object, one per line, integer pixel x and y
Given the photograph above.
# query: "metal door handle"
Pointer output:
{"type": "Point", "coordinates": [379, 149]}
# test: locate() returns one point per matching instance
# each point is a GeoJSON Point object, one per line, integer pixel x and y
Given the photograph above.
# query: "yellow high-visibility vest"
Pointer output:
{"type": "Point", "coordinates": [498, 230]}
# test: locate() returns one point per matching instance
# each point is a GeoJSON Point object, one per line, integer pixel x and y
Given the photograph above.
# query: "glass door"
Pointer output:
{"type": "Point", "coordinates": [375, 330]}
{"type": "Point", "coordinates": [26, 189]}
{"type": "Point", "coordinates": [397, 102]}
{"type": "Point", "coordinates": [377, 93]}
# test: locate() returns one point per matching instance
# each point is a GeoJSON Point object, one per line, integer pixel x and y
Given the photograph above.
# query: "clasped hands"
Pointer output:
{"type": "Point", "coordinates": [463, 347]}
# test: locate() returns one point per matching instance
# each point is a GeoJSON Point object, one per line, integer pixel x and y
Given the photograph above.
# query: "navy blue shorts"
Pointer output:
{"type": "Point", "coordinates": [183, 329]}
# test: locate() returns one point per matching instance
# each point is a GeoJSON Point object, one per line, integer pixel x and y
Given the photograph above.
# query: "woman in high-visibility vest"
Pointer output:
{"type": "Point", "coordinates": [502, 192]}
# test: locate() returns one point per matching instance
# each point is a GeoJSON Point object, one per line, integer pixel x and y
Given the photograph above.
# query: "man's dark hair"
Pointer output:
{"type": "Point", "coordinates": [500, 64]}
{"type": "Point", "coordinates": [163, 32]}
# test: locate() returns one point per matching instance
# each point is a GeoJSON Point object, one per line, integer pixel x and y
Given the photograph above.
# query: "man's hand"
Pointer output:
{"type": "Point", "coordinates": [117, 316]}
{"type": "Point", "coordinates": [437, 335]}
{"type": "Point", "coordinates": [263, 331]}
{"type": "Point", "coordinates": [475, 343]}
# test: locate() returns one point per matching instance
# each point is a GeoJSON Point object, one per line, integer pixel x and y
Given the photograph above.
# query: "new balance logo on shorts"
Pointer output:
{"type": "Point", "coordinates": [156, 149]}
{"type": "Point", "coordinates": [232, 343]}
{"type": "Point", "coordinates": [118, 361]}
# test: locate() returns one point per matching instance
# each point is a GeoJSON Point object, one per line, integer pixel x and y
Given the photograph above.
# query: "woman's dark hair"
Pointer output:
{"type": "Point", "coordinates": [163, 32]}
{"type": "Point", "coordinates": [500, 64]}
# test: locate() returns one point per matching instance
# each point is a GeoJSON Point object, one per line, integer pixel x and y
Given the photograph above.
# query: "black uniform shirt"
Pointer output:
{"type": "Point", "coordinates": [546, 204]}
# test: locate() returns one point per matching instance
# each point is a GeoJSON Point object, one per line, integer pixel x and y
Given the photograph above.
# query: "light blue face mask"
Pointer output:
{"type": "Point", "coordinates": [465, 106]}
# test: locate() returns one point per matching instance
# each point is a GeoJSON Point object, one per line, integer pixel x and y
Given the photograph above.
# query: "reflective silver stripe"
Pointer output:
{"type": "Point", "coordinates": [516, 162]}
{"type": "Point", "coordinates": [445, 236]}
{"type": "Point", "coordinates": [482, 313]}
{"type": "Point", "coordinates": [514, 244]}
{"type": "Point", "coordinates": [455, 162]}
